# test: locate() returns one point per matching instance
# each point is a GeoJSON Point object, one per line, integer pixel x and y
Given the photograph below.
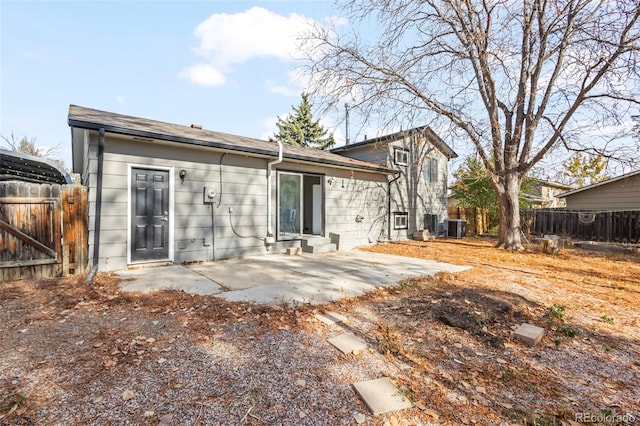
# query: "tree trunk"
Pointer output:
{"type": "Point", "coordinates": [509, 235]}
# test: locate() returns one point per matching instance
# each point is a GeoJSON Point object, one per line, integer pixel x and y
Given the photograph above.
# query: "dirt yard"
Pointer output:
{"type": "Point", "coordinates": [75, 353]}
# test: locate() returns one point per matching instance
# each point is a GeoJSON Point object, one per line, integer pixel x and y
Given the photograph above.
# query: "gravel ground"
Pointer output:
{"type": "Point", "coordinates": [75, 353]}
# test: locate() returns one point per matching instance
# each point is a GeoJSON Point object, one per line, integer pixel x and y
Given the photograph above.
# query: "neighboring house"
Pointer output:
{"type": "Point", "coordinates": [418, 193]}
{"type": "Point", "coordinates": [615, 194]}
{"type": "Point", "coordinates": [544, 194]}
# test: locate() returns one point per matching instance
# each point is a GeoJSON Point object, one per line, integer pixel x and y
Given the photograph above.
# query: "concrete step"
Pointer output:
{"type": "Point", "coordinates": [317, 245]}
{"type": "Point", "coordinates": [319, 248]}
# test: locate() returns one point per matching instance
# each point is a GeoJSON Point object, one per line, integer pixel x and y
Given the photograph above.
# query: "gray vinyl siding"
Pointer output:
{"type": "Point", "coordinates": [410, 193]}
{"type": "Point", "coordinates": [243, 188]}
{"type": "Point", "coordinates": [623, 194]}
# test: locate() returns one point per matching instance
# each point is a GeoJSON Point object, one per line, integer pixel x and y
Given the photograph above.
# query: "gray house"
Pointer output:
{"type": "Point", "coordinates": [418, 194]}
{"type": "Point", "coordinates": [161, 192]}
{"type": "Point", "coordinates": [544, 194]}
{"type": "Point", "coordinates": [619, 193]}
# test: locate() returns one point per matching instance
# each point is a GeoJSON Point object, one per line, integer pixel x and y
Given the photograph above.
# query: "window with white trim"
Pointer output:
{"type": "Point", "coordinates": [400, 220]}
{"type": "Point", "coordinates": [400, 156]}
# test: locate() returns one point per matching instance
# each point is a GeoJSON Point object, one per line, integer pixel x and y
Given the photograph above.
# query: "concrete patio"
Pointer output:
{"type": "Point", "coordinates": [276, 279]}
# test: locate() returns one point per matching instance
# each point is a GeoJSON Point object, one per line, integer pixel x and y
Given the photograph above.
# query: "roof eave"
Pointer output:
{"type": "Point", "coordinates": [441, 145]}
{"type": "Point", "coordinates": [218, 145]}
{"type": "Point", "coordinates": [598, 184]}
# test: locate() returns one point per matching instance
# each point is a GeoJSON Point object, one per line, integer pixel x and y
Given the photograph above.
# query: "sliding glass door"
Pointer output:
{"type": "Point", "coordinates": [289, 205]}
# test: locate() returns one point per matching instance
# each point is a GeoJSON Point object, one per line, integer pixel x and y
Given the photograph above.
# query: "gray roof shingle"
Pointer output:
{"type": "Point", "coordinates": [93, 119]}
{"type": "Point", "coordinates": [433, 138]}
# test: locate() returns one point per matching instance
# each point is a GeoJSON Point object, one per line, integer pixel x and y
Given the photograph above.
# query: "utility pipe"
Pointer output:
{"type": "Point", "coordinates": [270, 240]}
{"type": "Point", "coordinates": [213, 230]}
{"type": "Point", "coordinates": [96, 219]}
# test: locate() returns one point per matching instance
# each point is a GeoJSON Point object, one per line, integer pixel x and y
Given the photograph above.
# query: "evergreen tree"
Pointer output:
{"type": "Point", "coordinates": [300, 129]}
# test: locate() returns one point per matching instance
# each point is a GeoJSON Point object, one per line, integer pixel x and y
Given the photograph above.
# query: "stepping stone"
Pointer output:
{"type": "Point", "coordinates": [381, 396]}
{"type": "Point", "coordinates": [529, 334]}
{"type": "Point", "coordinates": [347, 343]}
{"type": "Point", "coordinates": [331, 318]}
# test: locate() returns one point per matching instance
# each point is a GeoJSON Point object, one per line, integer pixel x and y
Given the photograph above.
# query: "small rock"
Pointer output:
{"type": "Point", "coordinates": [301, 382]}
{"type": "Point", "coordinates": [360, 418]}
{"type": "Point", "coordinates": [150, 340]}
{"type": "Point", "coordinates": [155, 322]}
{"type": "Point", "coordinates": [165, 420]}
{"type": "Point", "coordinates": [447, 295]}
{"type": "Point", "coordinates": [24, 330]}
{"type": "Point", "coordinates": [302, 414]}
{"type": "Point", "coordinates": [127, 395]}
{"type": "Point", "coordinates": [458, 345]}
{"type": "Point", "coordinates": [161, 360]}
{"type": "Point", "coordinates": [149, 413]}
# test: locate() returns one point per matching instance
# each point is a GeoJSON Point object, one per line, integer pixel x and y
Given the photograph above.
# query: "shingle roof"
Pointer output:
{"type": "Point", "coordinates": [93, 119]}
{"type": "Point", "coordinates": [433, 138]}
{"type": "Point", "coordinates": [27, 168]}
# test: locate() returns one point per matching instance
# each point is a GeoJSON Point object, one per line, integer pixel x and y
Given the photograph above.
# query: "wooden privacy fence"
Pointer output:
{"type": "Point", "coordinates": [477, 218]}
{"type": "Point", "coordinates": [43, 230]}
{"type": "Point", "coordinates": [613, 226]}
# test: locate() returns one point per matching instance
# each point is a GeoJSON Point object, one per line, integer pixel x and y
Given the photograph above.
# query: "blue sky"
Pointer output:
{"type": "Point", "coordinates": [224, 64]}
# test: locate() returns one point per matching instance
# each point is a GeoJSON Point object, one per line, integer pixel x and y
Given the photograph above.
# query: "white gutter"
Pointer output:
{"type": "Point", "coordinates": [270, 239]}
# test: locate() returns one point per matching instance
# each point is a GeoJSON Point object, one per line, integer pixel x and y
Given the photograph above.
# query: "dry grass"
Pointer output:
{"type": "Point", "coordinates": [71, 352]}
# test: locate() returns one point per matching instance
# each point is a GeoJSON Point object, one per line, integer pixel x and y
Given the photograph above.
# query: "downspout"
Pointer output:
{"type": "Point", "coordinates": [213, 231]}
{"type": "Point", "coordinates": [396, 177]}
{"type": "Point", "coordinates": [270, 240]}
{"type": "Point", "coordinates": [96, 226]}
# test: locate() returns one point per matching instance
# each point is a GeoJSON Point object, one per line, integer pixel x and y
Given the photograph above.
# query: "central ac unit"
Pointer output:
{"type": "Point", "coordinates": [456, 228]}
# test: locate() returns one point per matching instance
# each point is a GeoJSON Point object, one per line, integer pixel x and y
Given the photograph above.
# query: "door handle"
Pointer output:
{"type": "Point", "coordinates": [165, 217]}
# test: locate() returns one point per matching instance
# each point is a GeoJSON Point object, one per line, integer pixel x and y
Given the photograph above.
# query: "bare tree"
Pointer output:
{"type": "Point", "coordinates": [29, 145]}
{"type": "Point", "coordinates": [517, 79]}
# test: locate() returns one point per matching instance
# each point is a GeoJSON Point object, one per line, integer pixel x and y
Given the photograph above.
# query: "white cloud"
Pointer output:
{"type": "Point", "coordinates": [204, 75]}
{"type": "Point", "coordinates": [336, 21]}
{"type": "Point", "coordinates": [282, 90]}
{"type": "Point", "coordinates": [232, 39]}
{"type": "Point", "coordinates": [296, 84]}
{"type": "Point", "coordinates": [268, 126]}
